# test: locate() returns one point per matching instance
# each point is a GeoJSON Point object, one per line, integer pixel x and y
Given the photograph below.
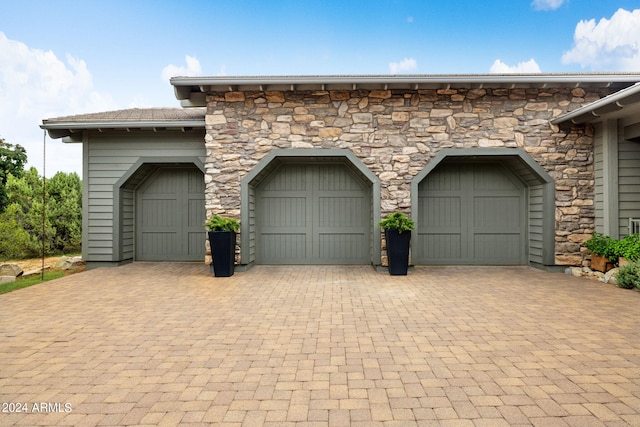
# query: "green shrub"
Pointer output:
{"type": "Point", "coordinates": [629, 247]}
{"type": "Point", "coordinates": [397, 221]}
{"type": "Point", "coordinates": [218, 223]}
{"type": "Point", "coordinates": [600, 244]}
{"type": "Point", "coordinates": [629, 276]}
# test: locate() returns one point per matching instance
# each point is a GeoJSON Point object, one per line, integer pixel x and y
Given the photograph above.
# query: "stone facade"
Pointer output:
{"type": "Point", "coordinates": [397, 132]}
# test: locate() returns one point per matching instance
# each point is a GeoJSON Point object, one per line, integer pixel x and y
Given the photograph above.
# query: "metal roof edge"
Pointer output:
{"type": "Point", "coordinates": [122, 124]}
{"type": "Point", "coordinates": [408, 78]}
{"type": "Point", "coordinates": [65, 129]}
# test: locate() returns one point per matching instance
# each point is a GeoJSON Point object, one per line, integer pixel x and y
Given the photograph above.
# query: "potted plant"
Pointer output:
{"type": "Point", "coordinates": [222, 239]}
{"type": "Point", "coordinates": [628, 249]}
{"type": "Point", "coordinates": [603, 252]}
{"type": "Point", "coordinates": [397, 231]}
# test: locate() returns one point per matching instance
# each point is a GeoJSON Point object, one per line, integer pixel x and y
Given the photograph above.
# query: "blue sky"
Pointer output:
{"type": "Point", "coordinates": [61, 58]}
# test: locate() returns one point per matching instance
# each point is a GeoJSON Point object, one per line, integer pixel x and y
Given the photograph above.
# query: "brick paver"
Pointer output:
{"type": "Point", "coordinates": [168, 344]}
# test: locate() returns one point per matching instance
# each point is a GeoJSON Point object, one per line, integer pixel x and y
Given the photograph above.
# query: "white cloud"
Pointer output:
{"type": "Point", "coordinates": [407, 64]}
{"type": "Point", "coordinates": [547, 4]}
{"type": "Point", "coordinates": [530, 66]}
{"type": "Point", "coordinates": [36, 85]}
{"type": "Point", "coordinates": [610, 45]}
{"type": "Point", "coordinates": [193, 68]}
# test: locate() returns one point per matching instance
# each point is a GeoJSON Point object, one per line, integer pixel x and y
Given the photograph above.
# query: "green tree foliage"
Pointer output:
{"type": "Point", "coordinates": [12, 160]}
{"type": "Point", "coordinates": [64, 209]}
{"type": "Point", "coordinates": [21, 231]}
{"type": "Point", "coordinates": [15, 242]}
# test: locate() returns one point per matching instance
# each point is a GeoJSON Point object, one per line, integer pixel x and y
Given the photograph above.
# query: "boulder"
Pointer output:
{"type": "Point", "coordinates": [7, 279]}
{"type": "Point", "coordinates": [10, 270]}
{"type": "Point", "coordinates": [610, 276]}
{"type": "Point", "coordinates": [69, 263]}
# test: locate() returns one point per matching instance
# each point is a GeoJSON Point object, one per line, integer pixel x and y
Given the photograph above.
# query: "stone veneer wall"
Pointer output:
{"type": "Point", "coordinates": [396, 132]}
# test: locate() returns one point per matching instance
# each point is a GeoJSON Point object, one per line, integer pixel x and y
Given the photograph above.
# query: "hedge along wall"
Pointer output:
{"type": "Point", "coordinates": [396, 133]}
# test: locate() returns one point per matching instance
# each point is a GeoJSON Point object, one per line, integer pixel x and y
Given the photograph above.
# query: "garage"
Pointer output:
{"type": "Point", "coordinates": [472, 212]}
{"type": "Point", "coordinates": [170, 215]}
{"type": "Point", "coordinates": [313, 213]}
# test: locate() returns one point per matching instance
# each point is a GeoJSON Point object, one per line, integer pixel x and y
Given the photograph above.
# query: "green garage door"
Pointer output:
{"type": "Point", "coordinates": [313, 214]}
{"type": "Point", "coordinates": [471, 213]}
{"type": "Point", "coordinates": [170, 216]}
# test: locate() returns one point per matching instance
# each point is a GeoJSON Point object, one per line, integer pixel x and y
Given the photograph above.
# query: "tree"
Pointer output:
{"type": "Point", "coordinates": [64, 210]}
{"type": "Point", "coordinates": [24, 198]}
{"type": "Point", "coordinates": [12, 161]}
{"type": "Point", "coordinates": [21, 227]}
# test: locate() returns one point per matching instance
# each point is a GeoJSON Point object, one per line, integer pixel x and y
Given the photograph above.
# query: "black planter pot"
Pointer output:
{"type": "Point", "coordinates": [223, 250]}
{"type": "Point", "coordinates": [398, 251]}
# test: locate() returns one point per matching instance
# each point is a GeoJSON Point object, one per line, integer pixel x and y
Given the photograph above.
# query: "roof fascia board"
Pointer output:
{"type": "Point", "coordinates": [409, 78]}
{"type": "Point", "coordinates": [80, 125]}
{"type": "Point", "coordinates": [184, 87]}
{"type": "Point", "coordinates": [67, 129]}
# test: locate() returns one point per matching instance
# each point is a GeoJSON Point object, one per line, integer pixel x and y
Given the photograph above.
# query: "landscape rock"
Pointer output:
{"type": "Point", "coordinates": [7, 279]}
{"type": "Point", "coordinates": [69, 263]}
{"type": "Point", "coordinates": [610, 276]}
{"type": "Point", "coordinates": [10, 270]}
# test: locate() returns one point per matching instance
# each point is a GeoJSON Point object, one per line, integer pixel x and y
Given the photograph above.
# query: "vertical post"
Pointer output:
{"type": "Point", "coordinates": [44, 203]}
{"type": "Point", "coordinates": [611, 213]}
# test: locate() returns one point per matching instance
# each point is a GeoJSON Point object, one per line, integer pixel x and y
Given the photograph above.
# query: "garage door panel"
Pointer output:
{"type": "Point", "coordinates": [170, 215]}
{"type": "Point", "coordinates": [158, 213]}
{"type": "Point", "coordinates": [449, 179]}
{"type": "Point", "coordinates": [498, 248]}
{"type": "Point", "coordinates": [283, 248]}
{"type": "Point", "coordinates": [441, 213]}
{"type": "Point", "coordinates": [273, 211]}
{"type": "Point", "coordinates": [340, 247]}
{"type": "Point", "coordinates": [324, 217]}
{"type": "Point", "coordinates": [196, 241]}
{"type": "Point", "coordinates": [492, 177]}
{"type": "Point", "coordinates": [497, 213]}
{"type": "Point", "coordinates": [441, 248]}
{"type": "Point", "coordinates": [287, 178]}
{"type": "Point", "coordinates": [471, 214]}
{"type": "Point", "coordinates": [159, 245]}
{"type": "Point", "coordinates": [341, 212]}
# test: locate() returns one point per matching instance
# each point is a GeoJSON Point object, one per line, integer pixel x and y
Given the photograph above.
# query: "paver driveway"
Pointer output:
{"type": "Point", "coordinates": [169, 344]}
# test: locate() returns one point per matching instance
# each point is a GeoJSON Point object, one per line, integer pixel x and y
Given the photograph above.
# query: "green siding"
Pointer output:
{"type": "Point", "coordinates": [598, 168]}
{"type": "Point", "coordinates": [629, 183]}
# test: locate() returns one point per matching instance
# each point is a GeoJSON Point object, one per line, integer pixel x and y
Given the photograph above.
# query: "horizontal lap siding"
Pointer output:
{"type": "Point", "coordinates": [535, 202]}
{"type": "Point", "coordinates": [536, 214]}
{"type": "Point", "coordinates": [598, 157]}
{"type": "Point", "coordinates": [109, 158]}
{"type": "Point", "coordinates": [629, 183]}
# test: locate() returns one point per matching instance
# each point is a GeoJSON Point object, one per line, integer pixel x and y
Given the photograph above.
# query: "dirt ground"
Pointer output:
{"type": "Point", "coordinates": [33, 263]}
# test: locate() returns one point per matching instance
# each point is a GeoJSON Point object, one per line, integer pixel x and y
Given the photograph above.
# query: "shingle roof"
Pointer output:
{"type": "Point", "coordinates": [134, 115]}
{"type": "Point", "coordinates": [134, 118]}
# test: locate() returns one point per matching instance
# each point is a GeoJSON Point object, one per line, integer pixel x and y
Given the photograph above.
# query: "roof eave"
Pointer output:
{"type": "Point", "coordinates": [64, 129]}
{"type": "Point", "coordinates": [189, 90]}
{"type": "Point", "coordinates": [597, 110]}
